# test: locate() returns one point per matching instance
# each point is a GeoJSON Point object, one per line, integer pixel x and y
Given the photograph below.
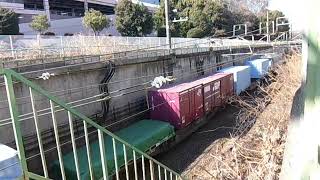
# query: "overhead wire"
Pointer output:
{"type": "Point", "coordinates": [138, 50]}
{"type": "Point", "coordinates": [114, 81]}
{"type": "Point", "coordinates": [114, 92]}
{"type": "Point", "coordinates": [107, 126]}
{"type": "Point", "coordinates": [122, 94]}
{"type": "Point", "coordinates": [144, 83]}
{"type": "Point", "coordinates": [113, 123]}
{"type": "Point", "coordinates": [79, 89]}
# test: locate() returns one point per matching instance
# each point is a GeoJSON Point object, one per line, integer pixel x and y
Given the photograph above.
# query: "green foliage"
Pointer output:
{"type": "Point", "coordinates": [196, 33]}
{"type": "Point", "coordinates": [161, 32]}
{"type": "Point", "coordinates": [96, 21]}
{"type": "Point", "coordinates": [40, 23]}
{"type": "Point", "coordinates": [212, 18]}
{"type": "Point", "coordinates": [9, 22]}
{"type": "Point", "coordinates": [253, 6]}
{"type": "Point", "coordinates": [248, 18]}
{"type": "Point", "coordinates": [159, 21]}
{"type": "Point", "coordinates": [205, 18]}
{"type": "Point", "coordinates": [133, 19]}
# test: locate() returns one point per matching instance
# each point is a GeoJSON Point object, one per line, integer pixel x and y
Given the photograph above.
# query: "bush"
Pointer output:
{"type": "Point", "coordinates": [220, 33]}
{"type": "Point", "coordinates": [133, 19]}
{"type": "Point", "coordinates": [68, 34]}
{"type": "Point", "coordinates": [49, 34]}
{"type": "Point", "coordinates": [96, 21]}
{"type": "Point", "coordinates": [162, 32]}
{"type": "Point", "coordinates": [196, 33]}
{"type": "Point", "coordinates": [40, 23]}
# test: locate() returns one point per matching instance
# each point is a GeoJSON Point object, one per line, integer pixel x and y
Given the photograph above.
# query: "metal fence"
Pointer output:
{"type": "Point", "coordinates": [28, 47]}
{"type": "Point", "coordinates": [32, 47]}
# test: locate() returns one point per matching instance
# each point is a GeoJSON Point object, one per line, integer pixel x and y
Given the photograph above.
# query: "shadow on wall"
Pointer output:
{"type": "Point", "coordinates": [310, 91]}
{"type": "Point", "coordinates": [297, 108]}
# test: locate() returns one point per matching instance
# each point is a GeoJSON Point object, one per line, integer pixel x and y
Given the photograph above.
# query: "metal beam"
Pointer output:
{"type": "Point", "coordinates": [166, 4]}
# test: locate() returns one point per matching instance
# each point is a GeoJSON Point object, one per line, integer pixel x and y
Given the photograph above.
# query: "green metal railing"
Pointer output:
{"type": "Point", "coordinates": [11, 77]}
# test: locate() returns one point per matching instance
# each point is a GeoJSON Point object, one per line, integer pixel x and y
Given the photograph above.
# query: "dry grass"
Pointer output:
{"type": "Point", "coordinates": [255, 149]}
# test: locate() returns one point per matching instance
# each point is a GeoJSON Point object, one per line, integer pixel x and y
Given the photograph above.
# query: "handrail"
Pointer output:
{"type": "Point", "coordinates": [280, 36]}
{"type": "Point", "coordinates": [9, 74]}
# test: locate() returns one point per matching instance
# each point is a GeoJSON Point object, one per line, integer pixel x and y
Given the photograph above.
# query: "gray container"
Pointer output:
{"type": "Point", "coordinates": [10, 167]}
{"type": "Point", "coordinates": [241, 77]}
{"type": "Point", "coordinates": [259, 67]}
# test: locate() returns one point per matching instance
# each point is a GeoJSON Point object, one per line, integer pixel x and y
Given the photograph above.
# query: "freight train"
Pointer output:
{"type": "Point", "coordinates": [176, 110]}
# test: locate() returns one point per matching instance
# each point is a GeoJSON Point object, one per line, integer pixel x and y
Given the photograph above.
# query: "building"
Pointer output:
{"type": "Point", "coordinates": [62, 13]}
{"type": "Point", "coordinates": [65, 9]}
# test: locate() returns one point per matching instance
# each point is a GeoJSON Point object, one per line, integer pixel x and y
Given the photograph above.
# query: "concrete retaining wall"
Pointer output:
{"type": "Point", "coordinates": [73, 83]}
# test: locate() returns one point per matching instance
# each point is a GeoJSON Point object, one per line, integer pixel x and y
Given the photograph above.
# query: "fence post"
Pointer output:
{"type": "Point", "coordinates": [99, 44]}
{"type": "Point", "coordinates": [114, 45]}
{"type": "Point", "coordinates": [62, 47]}
{"type": "Point", "coordinates": [127, 41]}
{"type": "Point", "coordinates": [139, 46]}
{"type": "Point", "coordinates": [83, 48]}
{"type": "Point", "coordinates": [11, 46]}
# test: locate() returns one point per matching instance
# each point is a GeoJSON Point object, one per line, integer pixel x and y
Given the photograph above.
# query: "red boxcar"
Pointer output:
{"type": "Point", "coordinates": [182, 104]}
{"type": "Point", "coordinates": [216, 89]}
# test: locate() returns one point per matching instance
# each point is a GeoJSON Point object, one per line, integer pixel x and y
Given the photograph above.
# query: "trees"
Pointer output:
{"type": "Point", "coordinates": [256, 7]}
{"type": "Point", "coordinates": [159, 21]}
{"type": "Point", "coordinates": [96, 21]}
{"type": "Point", "coordinates": [9, 22]}
{"type": "Point", "coordinates": [40, 23]}
{"type": "Point", "coordinates": [196, 33]}
{"type": "Point", "coordinates": [250, 19]}
{"type": "Point", "coordinates": [133, 19]}
{"type": "Point", "coordinates": [206, 17]}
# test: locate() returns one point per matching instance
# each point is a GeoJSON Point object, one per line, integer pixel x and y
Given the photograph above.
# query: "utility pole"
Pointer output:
{"type": "Point", "coordinates": [268, 35]}
{"type": "Point", "coordinates": [166, 5]}
{"type": "Point", "coordinates": [47, 9]}
{"type": "Point", "coordinates": [86, 7]}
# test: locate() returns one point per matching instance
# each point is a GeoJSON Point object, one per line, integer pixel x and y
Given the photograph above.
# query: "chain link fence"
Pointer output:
{"type": "Point", "coordinates": [21, 47]}
{"type": "Point", "coordinates": [32, 46]}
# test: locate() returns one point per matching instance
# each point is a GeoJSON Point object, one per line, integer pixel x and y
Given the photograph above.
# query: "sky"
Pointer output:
{"type": "Point", "coordinates": [293, 9]}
